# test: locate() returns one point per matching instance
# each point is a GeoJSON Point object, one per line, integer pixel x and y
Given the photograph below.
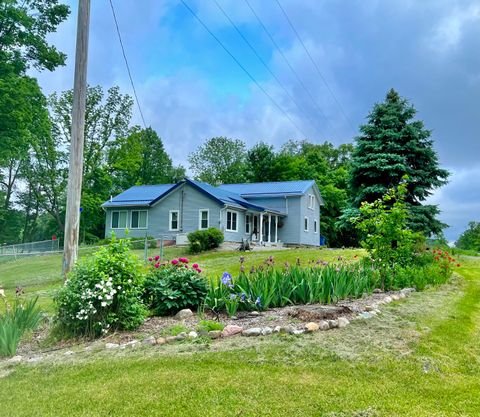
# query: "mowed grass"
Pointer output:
{"type": "Point", "coordinates": [421, 357]}
{"type": "Point", "coordinates": [41, 275]}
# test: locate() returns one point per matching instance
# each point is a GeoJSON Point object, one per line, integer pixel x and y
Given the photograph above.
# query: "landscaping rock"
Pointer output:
{"type": "Point", "coordinates": [193, 335]}
{"type": "Point", "coordinates": [203, 333]}
{"type": "Point", "coordinates": [266, 331]}
{"type": "Point", "coordinates": [323, 325]}
{"type": "Point", "coordinates": [388, 299]}
{"type": "Point", "coordinates": [402, 295]}
{"type": "Point", "coordinates": [377, 291]}
{"type": "Point", "coordinates": [184, 314]}
{"type": "Point", "coordinates": [111, 345]}
{"type": "Point", "coordinates": [68, 353]}
{"type": "Point", "coordinates": [215, 334]}
{"type": "Point", "coordinates": [311, 327]}
{"type": "Point", "coordinates": [254, 331]}
{"type": "Point", "coordinates": [15, 359]}
{"type": "Point", "coordinates": [297, 332]}
{"type": "Point", "coordinates": [279, 329]}
{"type": "Point", "coordinates": [369, 308]}
{"type": "Point", "coordinates": [231, 330]}
{"type": "Point", "coordinates": [395, 297]}
{"type": "Point", "coordinates": [161, 341]}
{"type": "Point", "coordinates": [34, 359]}
{"type": "Point", "coordinates": [181, 336]}
{"type": "Point", "coordinates": [343, 322]}
{"type": "Point", "coordinates": [365, 315]}
{"type": "Point", "coordinates": [132, 343]}
{"type": "Point", "coordinates": [150, 340]}
{"type": "Point", "coordinates": [332, 324]}
{"type": "Point", "coordinates": [254, 313]}
{"type": "Point", "coordinates": [234, 318]}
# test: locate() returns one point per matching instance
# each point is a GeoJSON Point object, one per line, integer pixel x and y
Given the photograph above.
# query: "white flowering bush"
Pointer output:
{"type": "Point", "coordinates": [103, 293]}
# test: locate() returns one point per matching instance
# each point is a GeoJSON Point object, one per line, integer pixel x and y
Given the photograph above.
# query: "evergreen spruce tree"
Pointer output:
{"type": "Point", "coordinates": [392, 145]}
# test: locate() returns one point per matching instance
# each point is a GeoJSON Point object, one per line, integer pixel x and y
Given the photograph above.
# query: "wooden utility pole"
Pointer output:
{"type": "Point", "coordinates": [75, 172]}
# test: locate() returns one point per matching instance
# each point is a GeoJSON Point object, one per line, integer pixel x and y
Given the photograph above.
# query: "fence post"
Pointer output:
{"type": "Point", "coordinates": [161, 248]}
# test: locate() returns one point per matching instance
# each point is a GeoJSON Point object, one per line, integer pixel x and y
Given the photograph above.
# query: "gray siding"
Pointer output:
{"type": "Point", "coordinates": [159, 214]}
{"type": "Point", "coordinates": [310, 237]}
{"type": "Point", "coordinates": [290, 231]}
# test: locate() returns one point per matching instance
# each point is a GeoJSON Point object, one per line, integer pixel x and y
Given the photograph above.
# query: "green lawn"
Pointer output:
{"type": "Point", "coordinates": [421, 357]}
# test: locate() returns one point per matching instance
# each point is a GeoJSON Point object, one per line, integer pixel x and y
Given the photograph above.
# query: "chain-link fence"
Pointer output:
{"type": "Point", "coordinates": [147, 245]}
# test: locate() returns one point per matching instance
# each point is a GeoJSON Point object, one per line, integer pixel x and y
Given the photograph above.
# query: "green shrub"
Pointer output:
{"type": "Point", "coordinates": [16, 320]}
{"type": "Point", "coordinates": [170, 287]}
{"type": "Point", "coordinates": [202, 240]}
{"type": "Point", "coordinates": [103, 292]}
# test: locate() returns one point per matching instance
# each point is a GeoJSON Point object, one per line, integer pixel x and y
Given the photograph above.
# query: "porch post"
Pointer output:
{"type": "Point", "coordinates": [269, 228]}
{"type": "Point", "coordinates": [261, 227]}
{"type": "Point", "coordinates": [276, 229]}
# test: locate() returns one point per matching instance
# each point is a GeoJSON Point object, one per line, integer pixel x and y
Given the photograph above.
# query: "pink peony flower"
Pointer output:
{"type": "Point", "coordinates": [157, 258]}
{"type": "Point", "coordinates": [157, 265]}
{"type": "Point", "coordinates": [195, 266]}
{"type": "Point", "coordinates": [150, 259]}
{"type": "Point", "coordinates": [198, 270]}
{"type": "Point", "coordinates": [183, 260]}
{"type": "Point", "coordinates": [186, 266]}
{"type": "Point", "coordinates": [174, 261]}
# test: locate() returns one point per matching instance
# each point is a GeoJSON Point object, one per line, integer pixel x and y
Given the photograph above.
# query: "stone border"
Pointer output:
{"type": "Point", "coordinates": [230, 330]}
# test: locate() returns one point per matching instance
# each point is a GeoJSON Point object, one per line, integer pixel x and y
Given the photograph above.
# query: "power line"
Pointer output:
{"type": "Point", "coordinates": [126, 64]}
{"type": "Point", "coordinates": [242, 67]}
{"type": "Point", "coordinates": [315, 65]}
{"type": "Point", "coordinates": [267, 67]}
{"type": "Point", "coordinates": [277, 47]}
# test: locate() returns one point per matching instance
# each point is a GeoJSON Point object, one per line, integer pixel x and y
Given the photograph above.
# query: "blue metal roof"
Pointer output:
{"type": "Point", "coordinates": [225, 196]}
{"type": "Point", "coordinates": [232, 195]}
{"type": "Point", "coordinates": [269, 189]}
{"type": "Point", "coordinates": [140, 195]}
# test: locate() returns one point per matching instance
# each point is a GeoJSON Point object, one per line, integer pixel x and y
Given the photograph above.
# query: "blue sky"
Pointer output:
{"type": "Point", "coordinates": [191, 90]}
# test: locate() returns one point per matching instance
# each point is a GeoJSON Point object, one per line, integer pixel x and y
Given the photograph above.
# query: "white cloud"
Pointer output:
{"type": "Point", "coordinates": [448, 32]}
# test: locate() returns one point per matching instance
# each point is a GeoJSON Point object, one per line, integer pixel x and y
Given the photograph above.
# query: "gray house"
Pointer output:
{"type": "Point", "coordinates": [267, 213]}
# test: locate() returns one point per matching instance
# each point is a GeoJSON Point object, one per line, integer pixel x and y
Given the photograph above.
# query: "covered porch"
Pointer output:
{"type": "Point", "coordinates": [262, 227]}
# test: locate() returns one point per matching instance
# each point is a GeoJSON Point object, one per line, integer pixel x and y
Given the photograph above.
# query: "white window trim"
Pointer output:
{"type": "Point", "coordinates": [226, 221]}
{"type": "Point", "coordinates": [138, 228]}
{"type": "Point", "coordinates": [170, 220]}
{"type": "Point", "coordinates": [311, 202]}
{"type": "Point", "coordinates": [305, 229]}
{"type": "Point", "coordinates": [200, 219]}
{"type": "Point", "coordinates": [315, 226]}
{"type": "Point", "coordinates": [111, 219]}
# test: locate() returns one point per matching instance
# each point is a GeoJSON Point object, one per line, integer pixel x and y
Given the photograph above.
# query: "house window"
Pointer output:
{"type": "Point", "coordinates": [248, 223]}
{"type": "Point", "coordinates": [311, 202]}
{"type": "Point", "coordinates": [203, 219]}
{"type": "Point", "coordinates": [173, 221]}
{"type": "Point", "coordinates": [232, 225]}
{"type": "Point", "coordinates": [315, 226]}
{"type": "Point", "coordinates": [305, 224]}
{"type": "Point", "coordinates": [119, 219]}
{"type": "Point", "coordinates": [139, 219]}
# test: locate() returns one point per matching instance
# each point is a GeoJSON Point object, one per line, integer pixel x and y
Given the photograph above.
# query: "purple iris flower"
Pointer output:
{"type": "Point", "coordinates": [227, 279]}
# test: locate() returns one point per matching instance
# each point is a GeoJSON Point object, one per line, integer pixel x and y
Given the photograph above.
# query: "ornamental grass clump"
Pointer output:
{"type": "Point", "coordinates": [17, 319]}
{"type": "Point", "coordinates": [172, 286]}
{"type": "Point", "coordinates": [103, 293]}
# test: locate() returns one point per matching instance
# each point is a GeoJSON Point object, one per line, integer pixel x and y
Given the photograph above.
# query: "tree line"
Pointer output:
{"type": "Point", "coordinates": [35, 137]}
